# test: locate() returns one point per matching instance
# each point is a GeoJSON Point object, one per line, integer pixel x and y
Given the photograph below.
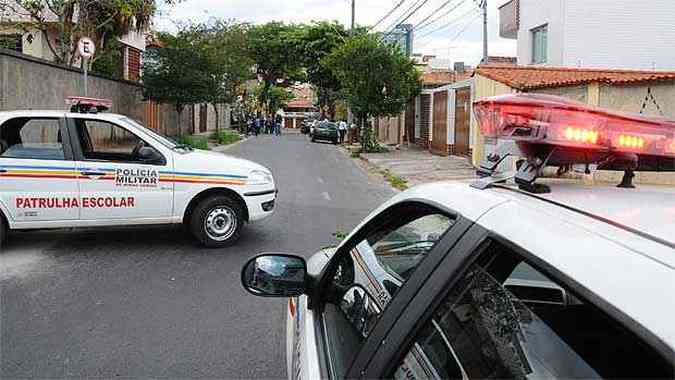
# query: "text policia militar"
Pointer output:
{"type": "Point", "coordinates": [90, 202]}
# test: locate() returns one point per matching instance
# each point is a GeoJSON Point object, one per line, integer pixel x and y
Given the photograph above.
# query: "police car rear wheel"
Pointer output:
{"type": "Point", "coordinates": [3, 231]}
{"type": "Point", "coordinates": [217, 221]}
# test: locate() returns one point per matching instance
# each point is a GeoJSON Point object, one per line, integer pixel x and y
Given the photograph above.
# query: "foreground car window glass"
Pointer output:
{"type": "Point", "coordinates": [365, 279]}
{"type": "Point", "coordinates": [31, 138]}
{"type": "Point", "coordinates": [101, 140]}
{"type": "Point", "coordinates": [505, 319]}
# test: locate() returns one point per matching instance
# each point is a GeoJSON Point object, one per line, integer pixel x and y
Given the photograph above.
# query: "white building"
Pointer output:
{"type": "Point", "coordinates": [592, 33]}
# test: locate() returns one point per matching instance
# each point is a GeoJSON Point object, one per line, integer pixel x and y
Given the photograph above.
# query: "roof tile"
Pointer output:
{"type": "Point", "coordinates": [533, 77]}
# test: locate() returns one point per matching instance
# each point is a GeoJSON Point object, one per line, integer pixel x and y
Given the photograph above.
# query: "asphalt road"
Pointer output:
{"type": "Point", "coordinates": [149, 303]}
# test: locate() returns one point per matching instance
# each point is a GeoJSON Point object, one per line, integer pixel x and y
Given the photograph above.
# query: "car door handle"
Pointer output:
{"type": "Point", "coordinates": [92, 173]}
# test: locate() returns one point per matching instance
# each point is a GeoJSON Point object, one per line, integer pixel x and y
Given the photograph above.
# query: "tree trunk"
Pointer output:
{"type": "Point", "coordinates": [179, 109]}
{"type": "Point", "coordinates": [215, 109]}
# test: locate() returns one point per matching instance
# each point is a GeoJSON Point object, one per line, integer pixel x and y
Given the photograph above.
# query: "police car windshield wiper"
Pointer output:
{"type": "Point", "coordinates": [396, 248]}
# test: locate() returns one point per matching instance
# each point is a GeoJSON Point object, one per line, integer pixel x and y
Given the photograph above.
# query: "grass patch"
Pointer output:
{"type": "Point", "coordinates": [339, 234]}
{"type": "Point", "coordinates": [193, 141]}
{"type": "Point", "coordinates": [225, 137]}
{"type": "Point", "coordinates": [395, 181]}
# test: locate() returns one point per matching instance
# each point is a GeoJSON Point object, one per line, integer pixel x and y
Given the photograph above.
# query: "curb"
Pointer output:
{"type": "Point", "coordinates": [222, 148]}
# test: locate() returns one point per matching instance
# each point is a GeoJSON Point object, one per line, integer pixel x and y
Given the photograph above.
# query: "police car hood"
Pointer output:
{"type": "Point", "coordinates": [204, 160]}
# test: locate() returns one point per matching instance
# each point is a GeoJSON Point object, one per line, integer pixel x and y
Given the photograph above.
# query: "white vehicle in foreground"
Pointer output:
{"type": "Point", "coordinates": [73, 169]}
{"type": "Point", "coordinates": [537, 279]}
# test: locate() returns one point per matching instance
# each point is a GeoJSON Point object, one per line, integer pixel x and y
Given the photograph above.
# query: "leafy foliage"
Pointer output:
{"type": "Point", "coordinates": [274, 98]}
{"type": "Point", "coordinates": [193, 141]}
{"type": "Point", "coordinates": [275, 48]}
{"type": "Point", "coordinates": [377, 80]}
{"type": "Point", "coordinates": [228, 65]}
{"type": "Point", "coordinates": [319, 40]}
{"type": "Point", "coordinates": [226, 137]}
{"type": "Point", "coordinates": [177, 73]}
{"type": "Point", "coordinates": [102, 20]}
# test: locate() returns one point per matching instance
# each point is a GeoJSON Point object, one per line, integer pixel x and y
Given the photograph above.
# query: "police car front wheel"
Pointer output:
{"type": "Point", "coordinates": [217, 221]}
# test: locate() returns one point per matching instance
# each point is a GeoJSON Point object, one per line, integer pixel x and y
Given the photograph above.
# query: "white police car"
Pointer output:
{"type": "Point", "coordinates": [545, 279]}
{"type": "Point", "coordinates": [81, 169]}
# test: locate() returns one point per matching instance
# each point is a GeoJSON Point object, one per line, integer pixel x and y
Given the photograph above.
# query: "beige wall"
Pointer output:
{"type": "Point", "coordinates": [482, 87]}
{"type": "Point", "coordinates": [630, 98]}
{"type": "Point", "coordinates": [578, 93]}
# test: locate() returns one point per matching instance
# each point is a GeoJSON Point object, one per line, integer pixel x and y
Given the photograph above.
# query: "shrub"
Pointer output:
{"type": "Point", "coordinates": [225, 137]}
{"type": "Point", "coordinates": [193, 141]}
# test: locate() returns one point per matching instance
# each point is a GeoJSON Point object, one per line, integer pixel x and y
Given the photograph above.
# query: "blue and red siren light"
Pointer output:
{"type": "Point", "coordinates": [553, 120]}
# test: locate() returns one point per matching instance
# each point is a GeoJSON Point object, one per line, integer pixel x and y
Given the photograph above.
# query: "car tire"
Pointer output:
{"type": "Point", "coordinates": [313, 139]}
{"type": "Point", "coordinates": [217, 221]}
{"type": "Point", "coordinates": [4, 230]}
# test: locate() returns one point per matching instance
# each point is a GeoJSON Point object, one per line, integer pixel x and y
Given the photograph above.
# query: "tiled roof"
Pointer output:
{"type": "Point", "coordinates": [533, 77]}
{"type": "Point", "coordinates": [304, 97]}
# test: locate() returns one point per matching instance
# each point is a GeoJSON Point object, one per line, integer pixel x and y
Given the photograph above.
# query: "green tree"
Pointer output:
{"type": "Point", "coordinates": [276, 48]}
{"type": "Point", "coordinates": [228, 63]}
{"type": "Point", "coordinates": [277, 97]}
{"type": "Point", "coordinates": [177, 73]}
{"type": "Point", "coordinates": [377, 80]}
{"type": "Point", "coordinates": [319, 40]}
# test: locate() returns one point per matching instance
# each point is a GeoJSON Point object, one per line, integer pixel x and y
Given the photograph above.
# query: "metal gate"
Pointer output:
{"type": "Point", "coordinates": [439, 138]}
{"type": "Point", "coordinates": [462, 120]}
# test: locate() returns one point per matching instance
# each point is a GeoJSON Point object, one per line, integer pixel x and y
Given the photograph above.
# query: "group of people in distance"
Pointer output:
{"type": "Point", "coordinates": [264, 124]}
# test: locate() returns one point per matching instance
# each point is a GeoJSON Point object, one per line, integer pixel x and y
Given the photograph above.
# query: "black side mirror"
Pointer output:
{"type": "Point", "coordinates": [275, 275]}
{"type": "Point", "coordinates": [150, 155]}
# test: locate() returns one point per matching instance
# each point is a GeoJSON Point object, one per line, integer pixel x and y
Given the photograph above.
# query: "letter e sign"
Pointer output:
{"type": "Point", "coordinates": [86, 47]}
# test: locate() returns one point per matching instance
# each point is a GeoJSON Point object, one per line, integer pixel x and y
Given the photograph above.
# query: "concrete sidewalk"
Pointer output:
{"type": "Point", "coordinates": [417, 166]}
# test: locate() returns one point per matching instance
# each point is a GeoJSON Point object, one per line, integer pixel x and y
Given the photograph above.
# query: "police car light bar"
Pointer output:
{"type": "Point", "coordinates": [554, 131]}
{"type": "Point", "coordinates": [547, 119]}
{"type": "Point", "coordinates": [84, 104]}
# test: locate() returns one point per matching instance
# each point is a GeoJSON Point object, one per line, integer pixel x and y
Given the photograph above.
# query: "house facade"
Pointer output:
{"type": "Point", "coordinates": [18, 33]}
{"type": "Point", "coordinates": [300, 108]}
{"type": "Point", "coordinates": [592, 33]}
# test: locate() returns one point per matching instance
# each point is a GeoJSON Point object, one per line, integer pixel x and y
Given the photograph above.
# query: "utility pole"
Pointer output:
{"type": "Point", "coordinates": [485, 31]}
{"type": "Point", "coordinates": [353, 13]}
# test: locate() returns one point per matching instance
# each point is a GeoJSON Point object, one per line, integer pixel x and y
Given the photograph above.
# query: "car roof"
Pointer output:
{"type": "Point", "coordinates": [646, 209]}
{"type": "Point", "coordinates": [4, 115]}
{"type": "Point", "coordinates": [585, 232]}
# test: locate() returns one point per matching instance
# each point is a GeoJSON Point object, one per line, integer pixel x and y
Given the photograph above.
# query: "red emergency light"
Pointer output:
{"type": "Point", "coordinates": [83, 104]}
{"type": "Point", "coordinates": [547, 119]}
{"type": "Point", "coordinates": [554, 131]}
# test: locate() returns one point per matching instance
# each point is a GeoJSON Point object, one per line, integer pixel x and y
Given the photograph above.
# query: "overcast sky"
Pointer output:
{"type": "Point", "coordinates": [461, 40]}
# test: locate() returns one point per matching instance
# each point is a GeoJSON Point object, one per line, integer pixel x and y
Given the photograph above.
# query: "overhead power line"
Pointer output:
{"type": "Point", "coordinates": [423, 25]}
{"type": "Point", "coordinates": [448, 24]}
{"type": "Point", "coordinates": [459, 34]}
{"type": "Point", "coordinates": [433, 13]}
{"type": "Point", "coordinates": [410, 11]}
{"type": "Point", "coordinates": [397, 6]}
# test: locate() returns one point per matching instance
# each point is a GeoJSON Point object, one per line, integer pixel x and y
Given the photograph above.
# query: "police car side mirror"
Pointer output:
{"type": "Point", "coordinates": [275, 275]}
{"type": "Point", "coordinates": [150, 155]}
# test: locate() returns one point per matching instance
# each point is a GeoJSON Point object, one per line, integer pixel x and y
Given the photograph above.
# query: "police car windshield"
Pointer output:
{"type": "Point", "coordinates": [166, 141]}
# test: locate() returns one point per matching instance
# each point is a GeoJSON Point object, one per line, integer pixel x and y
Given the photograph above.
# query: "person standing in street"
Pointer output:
{"type": "Point", "coordinates": [342, 130]}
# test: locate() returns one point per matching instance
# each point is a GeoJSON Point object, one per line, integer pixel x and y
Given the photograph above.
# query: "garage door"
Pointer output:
{"type": "Point", "coordinates": [439, 142]}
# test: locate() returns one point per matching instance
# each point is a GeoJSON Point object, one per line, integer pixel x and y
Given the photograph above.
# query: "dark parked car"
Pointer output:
{"type": "Point", "coordinates": [327, 131]}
